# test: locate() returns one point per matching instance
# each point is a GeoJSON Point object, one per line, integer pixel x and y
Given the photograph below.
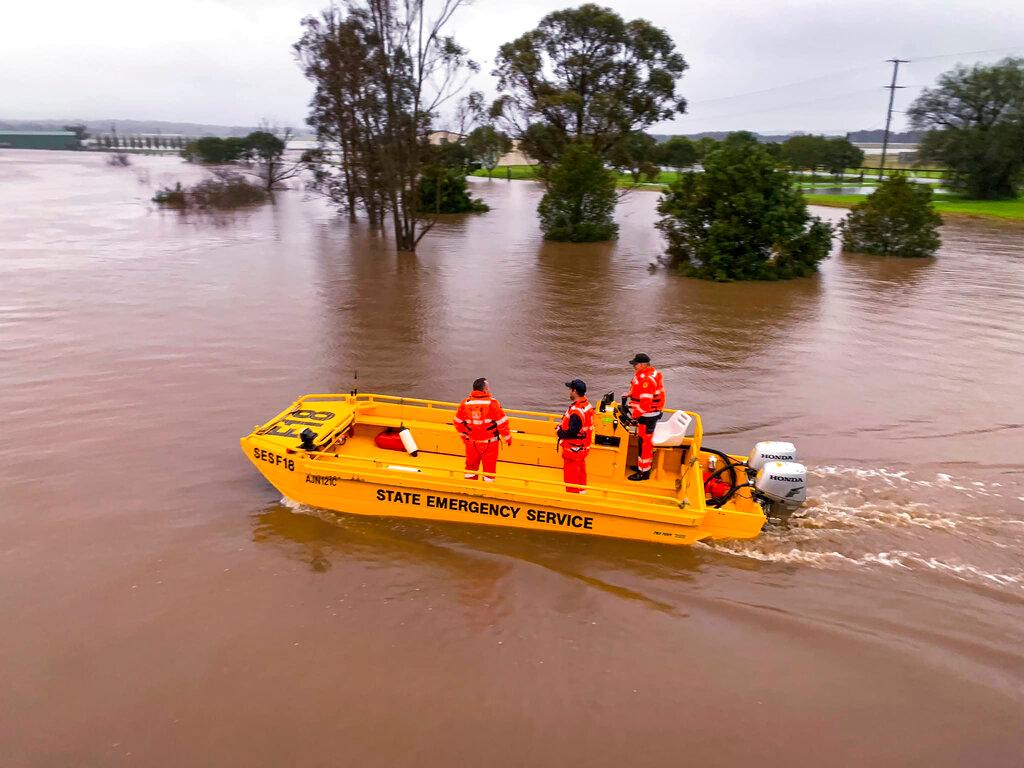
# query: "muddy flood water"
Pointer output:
{"type": "Point", "coordinates": [162, 606]}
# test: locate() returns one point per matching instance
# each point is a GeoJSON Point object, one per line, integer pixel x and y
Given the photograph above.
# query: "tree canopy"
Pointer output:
{"type": "Point", "coordinates": [265, 151]}
{"type": "Point", "coordinates": [579, 203]}
{"type": "Point", "coordinates": [678, 153]}
{"type": "Point", "coordinates": [897, 219]}
{"type": "Point", "coordinates": [976, 121]}
{"type": "Point", "coordinates": [215, 150]}
{"type": "Point", "coordinates": [741, 219]}
{"type": "Point", "coordinates": [587, 74]}
{"type": "Point", "coordinates": [486, 145]}
{"type": "Point", "coordinates": [637, 155]}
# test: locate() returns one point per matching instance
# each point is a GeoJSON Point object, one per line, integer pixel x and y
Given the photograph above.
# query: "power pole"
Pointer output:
{"type": "Point", "coordinates": [888, 115]}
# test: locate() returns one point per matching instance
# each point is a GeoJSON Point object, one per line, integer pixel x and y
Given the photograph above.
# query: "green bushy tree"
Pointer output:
{"type": "Point", "coordinates": [742, 219]}
{"type": "Point", "coordinates": [636, 155]}
{"type": "Point", "coordinates": [486, 145]}
{"type": "Point", "coordinates": [444, 190]}
{"type": "Point", "coordinates": [214, 149]}
{"type": "Point", "coordinates": [705, 145]}
{"type": "Point", "coordinates": [579, 204]}
{"type": "Point", "coordinates": [976, 117]}
{"type": "Point", "coordinates": [897, 219]}
{"type": "Point", "coordinates": [678, 153]}
{"type": "Point", "coordinates": [812, 152]}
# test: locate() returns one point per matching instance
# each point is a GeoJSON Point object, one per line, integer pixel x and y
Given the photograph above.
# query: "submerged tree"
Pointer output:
{"type": "Point", "coordinates": [976, 117]}
{"type": "Point", "coordinates": [444, 190]}
{"type": "Point", "coordinates": [897, 219]}
{"type": "Point", "coordinates": [265, 151]}
{"type": "Point", "coordinates": [579, 204]}
{"type": "Point", "coordinates": [742, 219]}
{"type": "Point", "coordinates": [381, 69]}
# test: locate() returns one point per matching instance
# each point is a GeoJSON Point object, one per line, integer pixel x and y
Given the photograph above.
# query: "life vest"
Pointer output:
{"type": "Point", "coordinates": [646, 393]}
{"type": "Point", "coordinates": [481, 418]}
{"type": "Point", "coordinates": [581, 444]}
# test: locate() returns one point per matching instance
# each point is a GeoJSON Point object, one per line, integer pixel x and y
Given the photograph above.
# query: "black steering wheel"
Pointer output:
{"type": "Point", "coordinates": [734, 478]}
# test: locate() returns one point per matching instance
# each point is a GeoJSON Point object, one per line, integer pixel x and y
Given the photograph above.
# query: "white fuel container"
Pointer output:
{"type": "Point", "coordinates": [408, 442]}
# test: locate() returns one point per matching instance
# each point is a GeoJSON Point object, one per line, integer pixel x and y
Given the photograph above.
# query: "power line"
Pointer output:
{"type": "Point", "coordinates": [815, 79]}
{"type": "Point", "coordinates": [969, 53]}
{"type": "Point", "coordinates": [789, 105]}
{"type": "Point", "coordinates": [850, 70]}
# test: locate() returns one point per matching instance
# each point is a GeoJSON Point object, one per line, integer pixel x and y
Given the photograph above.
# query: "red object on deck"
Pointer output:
{"type": "Point", "coordinates": [717, 487]}
{"type": "Point", "coordinates": [389, 440]}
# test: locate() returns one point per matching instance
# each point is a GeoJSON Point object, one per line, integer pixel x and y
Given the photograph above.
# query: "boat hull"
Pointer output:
{"type": "Point", "coordinates": [340, 465]}
{"type": "Point", "coordinates": [485, 503]}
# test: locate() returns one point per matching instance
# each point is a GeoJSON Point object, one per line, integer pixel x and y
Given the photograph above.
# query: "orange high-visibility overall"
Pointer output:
{"type": "Point", "coordinates": [576, 446]}
{"type": "Point", "coordinates": [481, 422]}
{"type": "Point", "coordinates": [646, 399]}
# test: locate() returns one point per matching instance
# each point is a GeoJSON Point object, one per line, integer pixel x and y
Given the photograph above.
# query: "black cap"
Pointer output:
{"type": "Point", "coordinates": [578, 384]}
{"type": "Point", "coordinates": [640, 357]}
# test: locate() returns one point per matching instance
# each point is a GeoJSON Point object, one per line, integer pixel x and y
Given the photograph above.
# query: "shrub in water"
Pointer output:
{"type": "Point", "coordinates": [226, 190]}
{"type": "Point", "coordinates": [897, 219]}
{"type": "Point", "coordinates": [742, 219]}
{"type": "Point", "coordinates": [443, 190]}
{"type": "Point", "coordinates": [171, 197]}
{"type": "Point", "coordinates": [222, 191]}
{"type": "Point", "coordinates": [579, 204]}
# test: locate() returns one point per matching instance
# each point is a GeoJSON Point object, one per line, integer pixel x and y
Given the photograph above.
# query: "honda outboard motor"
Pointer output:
{"type": "Point", "coordinates": [770, 451]}
{"type": "Point", "coordinates": [781, 486]}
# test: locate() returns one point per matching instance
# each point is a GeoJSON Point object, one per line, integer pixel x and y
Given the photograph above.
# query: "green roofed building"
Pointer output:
{"type": "Point", "coordinates": [39, 140]}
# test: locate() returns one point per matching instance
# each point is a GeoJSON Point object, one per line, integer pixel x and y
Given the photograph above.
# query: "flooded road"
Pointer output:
{"type": "Point", "coordinates": [162, 607]}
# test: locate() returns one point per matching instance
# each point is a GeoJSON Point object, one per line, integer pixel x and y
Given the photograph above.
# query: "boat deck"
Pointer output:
{"type": "Point", "coordinates": [510, 464]}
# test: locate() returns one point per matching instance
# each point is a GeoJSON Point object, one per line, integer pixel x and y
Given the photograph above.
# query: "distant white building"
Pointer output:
{"type": "Point", "coordinates": [444, 137]}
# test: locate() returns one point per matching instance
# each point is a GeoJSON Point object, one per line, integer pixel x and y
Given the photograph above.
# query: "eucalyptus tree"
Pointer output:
{"type": "Point", "coordinates": [587, 74]}
{"type": "Point", "coordinates": [381, 70]}
{"type": "Point", "coordinates": [584, 76]}
{"type": "Point", "coordinates": [975, 118]}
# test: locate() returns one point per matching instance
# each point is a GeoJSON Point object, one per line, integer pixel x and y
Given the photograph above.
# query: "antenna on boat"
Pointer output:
{"type": "Point", "coordinates": [355, 383]}
{"type": "Point", "coordinates": [401, 413]}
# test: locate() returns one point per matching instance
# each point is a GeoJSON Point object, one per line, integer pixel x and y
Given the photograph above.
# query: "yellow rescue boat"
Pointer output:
{"type": "Point", "coordinates": [325, 451]}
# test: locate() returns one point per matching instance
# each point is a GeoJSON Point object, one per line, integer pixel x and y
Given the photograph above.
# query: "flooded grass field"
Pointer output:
{"type": "Point", "coordinates": [163, 606]}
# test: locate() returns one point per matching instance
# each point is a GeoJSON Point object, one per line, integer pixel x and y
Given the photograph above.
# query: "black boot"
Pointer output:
{"type": "Point", "coordinates": [640, 476]}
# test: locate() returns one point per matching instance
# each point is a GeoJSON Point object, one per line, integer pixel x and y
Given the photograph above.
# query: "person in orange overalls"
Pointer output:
{"type": "Point", "coordinates": [575, 434]}
{"type": "Point", "coordinates": [646, 399]}
{"type": "Point", "coordinates": [481, 422]}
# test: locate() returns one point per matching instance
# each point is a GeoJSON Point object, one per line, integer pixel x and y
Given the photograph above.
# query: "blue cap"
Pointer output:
{"type": "Point", "coordinates": [578, 384]}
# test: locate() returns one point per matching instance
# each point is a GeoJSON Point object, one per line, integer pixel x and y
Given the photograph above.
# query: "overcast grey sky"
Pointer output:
{"type": "Point", "coordinates": [230, 61]}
